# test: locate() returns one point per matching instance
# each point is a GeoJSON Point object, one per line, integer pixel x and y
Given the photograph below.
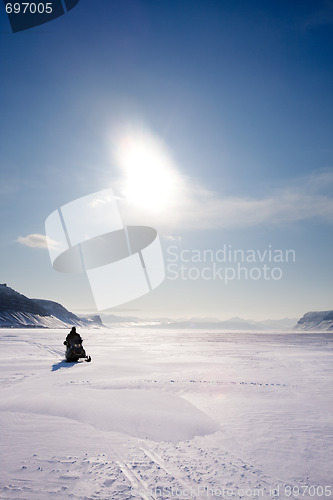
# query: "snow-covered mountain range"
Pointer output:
{"type": "Point", "coordinates": [17, 310]}
{"type": "Point", "coordinates": [316, 320]}
{"type": "Point", "coordinates": [232, 324]}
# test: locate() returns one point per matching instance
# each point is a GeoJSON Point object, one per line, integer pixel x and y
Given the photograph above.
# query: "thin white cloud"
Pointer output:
{"type": "Point", "coordinates": [37, 241]}
{"type": "Point", "coordinates": [199, 208]}
{"type": "Point", "coordinates": [284, 206]}
{"type": "Point", "coordinates": [196, 208]}
{"type": "Point", "coordinates": [170, 237]}
{"type": "Point", "coordinates": [182, 204]}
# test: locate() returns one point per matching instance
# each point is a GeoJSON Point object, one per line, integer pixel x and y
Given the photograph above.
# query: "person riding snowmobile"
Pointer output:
{"type": "Point", "coordinates": [73, 337]}
{"type": "Point", "coordinates": [74, 346]}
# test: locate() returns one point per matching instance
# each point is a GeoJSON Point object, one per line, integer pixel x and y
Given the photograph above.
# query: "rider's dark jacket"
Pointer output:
{"type": "Point", "coordinates": [73, 338]}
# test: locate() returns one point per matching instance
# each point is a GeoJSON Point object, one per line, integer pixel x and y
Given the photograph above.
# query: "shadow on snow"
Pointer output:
{"type": "Point", "coordinates": [62, 364]}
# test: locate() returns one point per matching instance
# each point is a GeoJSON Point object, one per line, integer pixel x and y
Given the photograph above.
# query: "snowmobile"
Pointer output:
{"type": "Point", "coordinates": [75, 351]}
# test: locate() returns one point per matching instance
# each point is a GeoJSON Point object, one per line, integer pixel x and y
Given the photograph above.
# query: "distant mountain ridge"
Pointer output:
{"type": "Point", "coordinates": [201, 323]}
{"type": "Point", "coordinates": [19, 311]}
{"type": "Point", "coordinates": [316, 320]}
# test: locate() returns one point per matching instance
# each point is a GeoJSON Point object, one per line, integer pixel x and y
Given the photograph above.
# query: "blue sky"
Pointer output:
{"type": "Point", "coordinates": [236, 96]}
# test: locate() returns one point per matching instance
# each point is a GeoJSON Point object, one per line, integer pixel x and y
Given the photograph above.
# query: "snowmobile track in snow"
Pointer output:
{"type": "Point", "coordinates": [138, 484]}
{"type": "Point", "coordinates": [151, 478]}
{"type": "Point", "coordinates": [189, 467]}
{"type": "Point", "coordinates": [188, 470]}
{"type": "Point", "coordinates": [50, 350]}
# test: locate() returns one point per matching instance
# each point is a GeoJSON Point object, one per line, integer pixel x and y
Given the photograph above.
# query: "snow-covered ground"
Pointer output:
{"type": "Point", "coordinates": [166, 414]}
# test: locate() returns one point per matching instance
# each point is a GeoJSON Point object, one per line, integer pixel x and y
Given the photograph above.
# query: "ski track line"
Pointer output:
{"type": "Point", "coordinates": [171, 471]}
{"type": "Point", "coordinates": [136, 481]}
{"type": "Point", "coordinates": [47, 348]}
{"type": "Point", "coordinates": [239, 468]}
{"type": "Point", "coordinates": [174, 476]}
{"type": "Point", "coordinates": [223, 470]}
{"type": "Point", "coordinates": [20, 377]}
{"type": "Point", "coordinates": [132, 476]}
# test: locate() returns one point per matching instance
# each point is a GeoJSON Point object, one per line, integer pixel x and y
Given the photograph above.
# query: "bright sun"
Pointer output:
{"type": "Point", "coordinates": [150, 180]}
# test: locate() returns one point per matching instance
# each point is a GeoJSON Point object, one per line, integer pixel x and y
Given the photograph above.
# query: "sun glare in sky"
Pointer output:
{"type": "Point", "coordinates": [149, 179]}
